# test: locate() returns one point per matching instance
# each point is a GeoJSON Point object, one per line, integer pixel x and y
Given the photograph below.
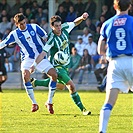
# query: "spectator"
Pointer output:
{"type": "Point", "coordinates": [101, 69]}
{"type": "Point", "coordinates": [97, 34]}
{"type": "Point", "coordinates": [5, 6]}
{"type": "Point", "coordinates": [74, 62]}
{"type": "Point", "coordinates": [40, 15]}
{"type": "Point", "coordinates": [86, 34]}
{"type": "Point", "coordinates": [90, 8]}
{"type": "Point", "coordinates": [66, 4]}
{"type": "Point", "coordinates": [105, 12]}
{"type": "Point", "coordinates": [85, 64]}
{"type": "Point", "coordinates": [14, 59]}
{"type": "Point", "coordinates": [3, 72]}
{"type": "Point", "coordinates": [80, 45]}
{"type": "Point", "coordinates": [109, 4]}
{"type": "Point", "coordinates": [71, 16]}
{"type": "Point", "coordinates": [71, 45]}
{"type": "Point", "coordinates": [102, 86]}
{"type": "Point", "coordinates": [92, 49]}
{"type": "Point", "coordinates": [79, 8]}
{"type": "Point", "coordinates": [45, 5]}
{"type": "Point", "coordinates": [21, 10]}
{"type": "Point", "coordinates": [5, 24]}
{"type": "Point", "coordinates": [44, 24]}
{"type": "Point", "coordinates": [90, 25]}
{"type": "Point", "coordinates": [15, 8]}
{"type": "Point", "coordinates": [35, 6]}
{"type": "Point", "coordinates": [101, 21]}
{"type": "Point", "coordinates": [62, 13]}
{"type": "Point", "coordinates": [29, 15]}
{"type": "Point", "coordinates": [4, 13]}
{"type": "Point", "coordinates": [12, 24]}
{"type": "Point", "coordinates": [27, 4]}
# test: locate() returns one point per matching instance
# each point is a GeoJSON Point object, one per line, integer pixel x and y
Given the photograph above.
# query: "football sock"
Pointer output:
{"type": "Point", "coordinates": [76, 98]}
{"type": "Point", "coordinates": [30, 92]}
{"type": "Point", "coordinates": [104, 117]}
{"type": "Point", "coordinates": [44, 82]}
{"type": "Point", "coordinates": [52, 89]}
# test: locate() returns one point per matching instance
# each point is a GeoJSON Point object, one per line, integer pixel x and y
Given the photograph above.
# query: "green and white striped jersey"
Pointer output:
{"type": "Point", "coordinates": [59, 43]}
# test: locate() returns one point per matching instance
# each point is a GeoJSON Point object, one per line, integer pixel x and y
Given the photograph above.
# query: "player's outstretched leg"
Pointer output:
{"type": "Point", "coordinates": [76, 98]}
{"type": "Point", "coordinates": [44, 82]}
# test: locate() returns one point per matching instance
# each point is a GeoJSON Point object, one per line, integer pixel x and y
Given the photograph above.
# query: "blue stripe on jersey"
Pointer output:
{"type": "Point", "coordinates": [10, 40]}
{"type": "Point", "coordinates": [39, 47]}
{"type": "Point", "coordinates": [40, 32]}
{"type": "Point", "coordinates": [25, 43]}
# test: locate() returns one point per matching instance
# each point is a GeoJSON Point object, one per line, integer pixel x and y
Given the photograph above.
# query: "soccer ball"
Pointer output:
{"type": "Point", "coordinates": [61, 58]}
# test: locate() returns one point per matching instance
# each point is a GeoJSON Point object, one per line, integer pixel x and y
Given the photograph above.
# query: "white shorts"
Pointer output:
{"type": "Point", "coordinates": [44, 66]}
{"type": "Point", "coordinates": [120, 73]}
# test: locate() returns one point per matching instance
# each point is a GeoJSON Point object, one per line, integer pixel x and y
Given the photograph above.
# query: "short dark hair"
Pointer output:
{"type": "Point", "coordinates": [19, 17]}
{"type": "Point", "coordinates": [55, 18]}
{"type": "Point", "coordinates": [122, 5]}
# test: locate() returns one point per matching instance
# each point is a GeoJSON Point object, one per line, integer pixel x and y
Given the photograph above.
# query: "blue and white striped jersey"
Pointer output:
{"type": "Point", "coordinates": [29, 40]}
{"type": "Point", "coordinates": [118, 31]}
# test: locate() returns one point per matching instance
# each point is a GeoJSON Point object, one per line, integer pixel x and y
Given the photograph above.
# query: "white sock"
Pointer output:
{"type": "Point", "coordinates": [52, 89]}
{"type": "Point", "coordinates": [30, 92]}
{"type": "Point", "coordinates": [104, 118]}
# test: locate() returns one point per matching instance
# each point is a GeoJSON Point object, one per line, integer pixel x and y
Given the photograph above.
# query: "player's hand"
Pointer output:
{"type": "Point", "coordinates": [32, 69]}
{"type": "Point", "coordinates": [85, 15]}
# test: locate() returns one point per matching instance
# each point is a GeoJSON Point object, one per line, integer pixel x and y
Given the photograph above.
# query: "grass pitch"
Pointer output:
{"type": "Point", "coordinates": [15, 115]}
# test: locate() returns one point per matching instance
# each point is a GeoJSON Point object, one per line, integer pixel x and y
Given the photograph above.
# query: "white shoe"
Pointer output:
{"type": "Point", "coordinates": [86, 112]}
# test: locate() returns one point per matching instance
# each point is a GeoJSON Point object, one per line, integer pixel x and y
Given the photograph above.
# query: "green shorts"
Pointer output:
{"type": "Point", "coordinates": [63, 76]}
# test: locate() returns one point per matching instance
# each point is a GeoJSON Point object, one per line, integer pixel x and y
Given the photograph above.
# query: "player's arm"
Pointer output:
{"type": "Point", "coordinates": [78, 20]}
{"type": "Point", "coordinates": [101, 49]}
{"type": "Point", "coordinates": [9, 40]}
{"type": "Point", "coordinates": [41, 32]}
{"type": "Point", "coordinates": [68, 26]}
{"type": "Point", "coordinates": [101, 46]}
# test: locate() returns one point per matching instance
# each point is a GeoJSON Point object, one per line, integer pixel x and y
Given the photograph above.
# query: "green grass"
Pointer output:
{"type": "Point", "coordinates": [16, 117]}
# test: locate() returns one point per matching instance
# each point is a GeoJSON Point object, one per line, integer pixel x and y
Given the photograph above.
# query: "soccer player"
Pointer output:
{"type": "Point", "coordinates": [58, 40]}
{"type": "Point", "coordinates": [28, 37]}
{"type": "Point", "coordinates": [118, 33]}
{"type": "Point", "coordinates": [3, 72]}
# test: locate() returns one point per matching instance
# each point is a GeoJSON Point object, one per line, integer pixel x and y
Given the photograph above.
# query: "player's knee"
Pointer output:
{"type": "Point", "coordinates": [52, 73]}
{"type": "Point", "coordinates": [72, 89]}
{"type": "Point", "coordinates": [26, 75]}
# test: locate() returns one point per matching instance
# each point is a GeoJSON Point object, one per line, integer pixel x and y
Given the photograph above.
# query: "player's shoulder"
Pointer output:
{"type": "Point", "coordinates": [51, 37]}
{"type": "Point", "coordinates": [32, 25]}
{"type": "Point", "coordinates": [110, 20]}
{"type": "Point", "coordinates": [13, 32]}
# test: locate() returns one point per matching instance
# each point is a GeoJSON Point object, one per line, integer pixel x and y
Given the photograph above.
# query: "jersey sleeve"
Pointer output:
{"type": "Point", "coordinates": [7, 41]}
{"type": "Point", "coordinates": [68, 26]}
{"type": "Point", "coordinates": [41, 32]}
{"type": "Point", "coordinates": [102, 31]}
{"type": "Point", "coordinates": [48, 45]}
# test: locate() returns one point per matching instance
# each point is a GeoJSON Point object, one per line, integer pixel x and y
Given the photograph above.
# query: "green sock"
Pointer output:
{"type": "Point", "coordinates": [44, 82]}
{"type": "Point", "coordinates": [76, 98]}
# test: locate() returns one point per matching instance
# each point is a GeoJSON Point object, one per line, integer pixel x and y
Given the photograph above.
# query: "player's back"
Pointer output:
{"type": "Point", "coordinates": [119, 34]}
